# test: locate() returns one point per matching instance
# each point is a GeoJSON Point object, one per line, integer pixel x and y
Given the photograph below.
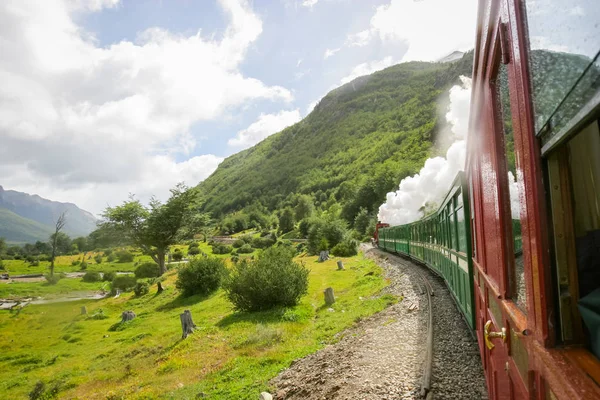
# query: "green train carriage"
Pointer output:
{"type": "Point", "coordinates": [442, 242]}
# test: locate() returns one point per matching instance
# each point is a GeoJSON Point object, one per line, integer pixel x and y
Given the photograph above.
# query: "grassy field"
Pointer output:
{"type": "Point", "coordinates": [73, 287]}
{"type": "Point", "coordinates": [65, 264]}
{"type": "Point", "coordinates": [230, 356]}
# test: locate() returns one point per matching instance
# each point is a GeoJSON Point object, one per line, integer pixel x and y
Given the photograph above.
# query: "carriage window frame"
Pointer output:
{"type": "Point", "coordinates": [502, 166]}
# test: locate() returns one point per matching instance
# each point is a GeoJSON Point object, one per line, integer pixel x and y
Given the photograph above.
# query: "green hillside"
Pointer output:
{"type": "Point", "coordinates": [21, 230]}
{"type": "Point", "coordinates": [356, 145]}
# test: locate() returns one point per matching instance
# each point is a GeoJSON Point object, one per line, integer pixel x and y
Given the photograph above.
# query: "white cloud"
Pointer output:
{"type": "Point", "coordinates": [76, 117]}
{"type": "Point", "coordinates": [367, 68]}
{"type": "Point", "coordinates": [309, 3]}
{"type": "Point", "coordinates": [264, 126]}
{"type": "Point", "coordinates": [430, 28]}
{"type": "Point", "coordinates": [359, 39]}
{"type": "Point", "coordinates": [330, 52]}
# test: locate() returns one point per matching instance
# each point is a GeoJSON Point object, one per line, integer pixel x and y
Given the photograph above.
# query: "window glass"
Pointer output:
{"type": "Point", "coordinates": [473, 226]}
{"type": "Point", "coordinates": [462, 234]}
{"type": "Point", "coordinates": [564, 41]}
{"type": "Point", "coordinates": [514, 180]}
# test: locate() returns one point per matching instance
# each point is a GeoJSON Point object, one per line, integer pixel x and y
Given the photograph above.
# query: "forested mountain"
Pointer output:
{"type": "Point", "coordinates": [27, 218]}
{"type": "Point", "coordinates": [353, 148]}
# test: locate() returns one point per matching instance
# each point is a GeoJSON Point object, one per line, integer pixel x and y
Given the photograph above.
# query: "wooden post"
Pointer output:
{"type": "Point", "coordinates": [187, 325]}
{"type": "Point", "coordinates": [83, 310]}
{"type": "Point", "coordinates": [340, 265]}
{"type": "Point", "coordinates": [329, 297]}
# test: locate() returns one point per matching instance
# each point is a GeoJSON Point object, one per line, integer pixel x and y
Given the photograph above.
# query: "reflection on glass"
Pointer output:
{"type": "Point", "coordinates": [564, 38]}
{"type": "Point", "coordinates": [517, 282]}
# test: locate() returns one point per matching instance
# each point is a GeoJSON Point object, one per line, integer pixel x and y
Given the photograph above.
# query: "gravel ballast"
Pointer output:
{"type": "Point", "coordinates": [382, 357]}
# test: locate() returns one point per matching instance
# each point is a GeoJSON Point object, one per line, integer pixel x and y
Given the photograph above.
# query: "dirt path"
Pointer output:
{"type": "Point", "coordinates": [382, 357]}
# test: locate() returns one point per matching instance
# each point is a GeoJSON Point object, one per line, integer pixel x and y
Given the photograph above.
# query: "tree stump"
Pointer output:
{"type": "Point", "coordinates": [265, 396]}
{"type": "Point", "coordinates": [127, 316]}
{"type": "Point", "coordinates": [160, 288]}
{"type": "Point", "coordinates": [83, 310]}
{"type": "Point", "coordinates": [187, 325]}
{"type": "Point", "coordinates": [324, 256]}
{"type": "Point", "coordinates": [340, 265]}
{"type": "Point", "coordinates": [329, 297]}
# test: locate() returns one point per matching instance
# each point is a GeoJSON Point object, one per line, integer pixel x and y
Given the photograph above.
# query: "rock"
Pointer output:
{"type": "Point", "coordinates": [127, 316]}
{"type": "Point", "coordinates": [265, 396]}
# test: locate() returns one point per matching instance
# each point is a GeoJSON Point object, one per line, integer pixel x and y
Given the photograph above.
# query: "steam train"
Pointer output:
{"type": "Point", "coordinates": [526, 276]}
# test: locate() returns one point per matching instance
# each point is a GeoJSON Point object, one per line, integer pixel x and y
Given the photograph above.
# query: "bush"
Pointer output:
{"type": "Point", "coordinates": [263, 242]}
{"type": "Point", "coordinates": [29, 259]}
{"type": "Point", "coordinates": [245, 249]}
{"type": "Point", "coordinates": [53, 279]}
{"type": "Point", "coordinates": [98, 258]}
{"type": "Point", "coordinates": [177, 255]}
{"type": "Point", "coordinates": [238, 243]}
{"type": "Point", "coordinates": [221, 249]}
{"type": "Point", "coordinates": [83, 266]}
{"type": "Point", "coordinates": [107, 252]}
{"type": "Point", "coordinates": [2, 265]}
{"type": "Point", "coordinates": [34, 263]}
{"type": "Point", "coordinates": [147, 270]}
{"type": "Point", "coordinates": [272, 280]}
{"type": "Point", "coordinates": [109, 276]}
{"type": "Point", "coordinates": [347, 248]}
{"type": "Point", "coordinates": [75, 262]}
{"type": "Point", "coordinates": [92, 276]}
{"type": "Point", "coordinates": [111, 257]}
{"type": "Point", "coordinates": [124, 283]}
{"type": "Point", "coordinates": [44, 257]}
{"type": "Point", "coordinates": [124, 256]}
{"type": "Point", "coordinates": [194, 245]}
{"type": "Point", "coordinates": [201, 276]}
{"type": "Point", "coordinates": [141, 288]}
{"type": "Point", "coordinates": [193, 251]}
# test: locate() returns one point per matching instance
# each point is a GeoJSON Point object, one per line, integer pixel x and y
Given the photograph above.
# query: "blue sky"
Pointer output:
{"type": "Point", "coordinates": [102, 98]}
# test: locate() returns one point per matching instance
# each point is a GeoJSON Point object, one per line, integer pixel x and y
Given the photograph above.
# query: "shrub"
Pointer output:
{"type": "Point", "coordinates": [263, 242]}
{"type": "Point", "coordinates": [124, 256]}
{"type": "Point", "coordinates": [347, 248]}
{"type": "Point", "coordinates": [110, 257]}
{"type": "Point", "coordinates": [98, 258]}
{"type": "Point", "coordinates": [92, 276]}
{"type": "Point", "coordinates": [177, 255]}
{"type": "Point", "coordinates": [194, 245]}
{"type": "Point", "coordinates": [75, 262]}
{"type": "Point", "coordinates": [107, 252]}
{"type": "Point", "coordinates": [147, 270]}
{"type": "Point", "coordinates": [44, 257]}
{"type": "Point", "coordinates": [141, 288]}
{"type": "Point", "coordinates": [272, 280]}
{"type": "Point", "coordinates": [221, 249]}
{"type": "Point", "coordinates": [29, 259]}
{"type": "Point", "coordinates": [193, 251]}
{"type": "Point", "coordinates": [109, 276]}
{"type": "Point", "coordinates": [238, 243]}
{"type": "Point", "coordinates": [124, 283]}
{"type": "Point", "coordinates": [35, 263]}
{"type": "Point", "coordinates": [201, 276]}
{"type": "Point", "coordinates": [2, 265]}
{"type": "Point", "coordinates": [53, 279]}
{"type": "Point", "coordinates": [83, 266]}
{"type": "Point", "coordinates": [245, 249]}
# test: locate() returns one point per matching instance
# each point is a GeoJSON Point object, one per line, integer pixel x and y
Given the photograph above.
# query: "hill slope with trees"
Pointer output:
{"type": "Point", "coordinates": [354, 147]}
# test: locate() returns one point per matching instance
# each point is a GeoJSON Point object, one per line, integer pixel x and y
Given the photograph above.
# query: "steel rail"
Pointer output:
{"type": "Point", "coordinates": [427, 369]}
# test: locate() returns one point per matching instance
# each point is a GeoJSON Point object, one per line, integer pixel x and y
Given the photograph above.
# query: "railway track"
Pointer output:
{"type": "Point", "coordinates": [428, 365]}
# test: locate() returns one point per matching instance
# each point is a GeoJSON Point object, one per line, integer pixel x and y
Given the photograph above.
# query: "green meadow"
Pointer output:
{"type": "Point", "coordinates": [55, 350]}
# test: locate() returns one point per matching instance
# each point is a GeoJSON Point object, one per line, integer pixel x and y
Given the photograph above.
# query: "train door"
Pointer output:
{"type": "Point", "coordinates": [499, 259]}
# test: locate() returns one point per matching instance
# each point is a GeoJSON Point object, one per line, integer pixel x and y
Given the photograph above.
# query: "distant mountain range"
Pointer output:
{"type": "Point", "coordinates": [26, 218]}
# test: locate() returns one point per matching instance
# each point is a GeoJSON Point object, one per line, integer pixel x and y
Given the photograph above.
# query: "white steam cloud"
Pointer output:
{"type": "Point", "coordinates": [428, 188]}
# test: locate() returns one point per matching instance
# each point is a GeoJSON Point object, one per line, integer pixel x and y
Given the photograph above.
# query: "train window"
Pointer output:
{"type": "Point", "coordinates": [515, 267]}
{"type": "Point", "coordinates": [564, 60]}
{"type": "Point", "coordinates": [461, 227]}
{"type": "Point", "coordinates": [473, 225]}
{"type": "Point", "coordinates": [574, 174]}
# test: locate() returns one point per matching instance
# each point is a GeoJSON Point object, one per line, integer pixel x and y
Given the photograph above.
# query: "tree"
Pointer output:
{"type": "Point", "coordinates": [286, 220]}
{"type": "Point", "coordinates": [362, 220]}
{"type": "Point", "coordinates": [2, 245]}
{"type": "Point", "coordinates": [153, 228]}
{"type": "Point", "coordinates": [304, 207]}
{"type": "Point", "coordinates": [60, 224]}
